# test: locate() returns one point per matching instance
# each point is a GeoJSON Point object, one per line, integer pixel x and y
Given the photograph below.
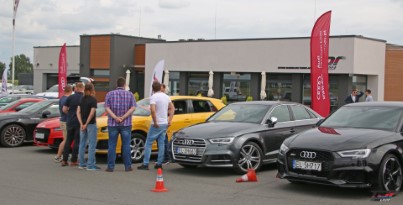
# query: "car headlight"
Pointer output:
{"type": "Point", "coordinates": [57, 129]}
{"type": "Point", "coordinates": [357, 153]}
{"type": "Point", "coordinates": [224, 140]}
{"type": "Point", "coordinates": [283, 149]}
{"type": "Point", "coordinates": [104, 129]}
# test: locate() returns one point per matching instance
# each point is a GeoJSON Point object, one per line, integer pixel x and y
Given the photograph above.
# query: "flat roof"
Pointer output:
{"type": "Point", "coordinates": [122, 35]}
{"type": "Point", "coordinates": [56, 46]}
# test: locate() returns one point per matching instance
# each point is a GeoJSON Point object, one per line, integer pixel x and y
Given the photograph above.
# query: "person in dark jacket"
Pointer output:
{"type": "Point", "coordinates": [354, 97]}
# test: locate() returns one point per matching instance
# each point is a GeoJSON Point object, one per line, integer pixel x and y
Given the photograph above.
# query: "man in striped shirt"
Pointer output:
{"type": "Point", "coordinates": [120, 105]}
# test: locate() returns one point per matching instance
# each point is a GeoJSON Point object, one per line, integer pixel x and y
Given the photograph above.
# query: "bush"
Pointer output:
{"type": "Point", "coordinates": [136, 96]}
{"type": "Point", "coordinates": [224, 99]}
{"type": "Point", "coordinates": [249, 98]}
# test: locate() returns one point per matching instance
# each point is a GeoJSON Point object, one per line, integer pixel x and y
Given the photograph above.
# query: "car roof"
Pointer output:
{"type": "Point", "coordinates": [376, 104]}
{"type": "Point", "coordinates": [267, 103]}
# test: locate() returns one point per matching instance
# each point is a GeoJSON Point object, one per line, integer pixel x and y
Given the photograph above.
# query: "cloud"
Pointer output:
{"type": "Point", "coordinates": [173, 4]}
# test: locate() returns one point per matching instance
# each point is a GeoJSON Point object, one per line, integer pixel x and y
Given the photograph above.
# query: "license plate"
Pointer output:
{"type": "Point", "coordinates": [296, 164]}
{"type": "Point", "coordinates": [186, 151]}
{"type": "Point", "coordinates": [40, 136]}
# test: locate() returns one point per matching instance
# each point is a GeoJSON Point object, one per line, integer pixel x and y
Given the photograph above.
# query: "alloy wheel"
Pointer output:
{"type": "Point", "coordinates": [13, 135]}
{"type": "Point", "coordinates": [392, 175]}
{"type": "Point", "coordinates": [250, 157]}
{"type": "Point", "coordinates": [137, 146]}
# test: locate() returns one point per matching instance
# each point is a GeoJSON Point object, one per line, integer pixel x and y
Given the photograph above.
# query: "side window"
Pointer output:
{"type": "Point", "coordinates": [281, 113]}
{"type": "Point", "coordinates": [180, 107]}
{"type": "Point", "coordinates": [201, 106]}
{"type": "Point", "coordinates": [300, 113]}
{"type": "Point", "coordinates": [24, 105]}
{"type": "Point", "coordinates": [54, 110]}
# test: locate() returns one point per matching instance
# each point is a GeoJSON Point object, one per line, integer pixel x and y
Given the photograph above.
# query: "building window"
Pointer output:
{"type": "Point", "coordinates": [198, 83]}
{"type": "Point", "coordinates": [101, 86]}
{"type": "Point", "coordinates": [236, 86]}
{"type": "Point", "coordinates": [279, 87]}
{"type": "Point", "coordinates": [174, 83]}
{"type": "Point", "coordinates": [100, 72]}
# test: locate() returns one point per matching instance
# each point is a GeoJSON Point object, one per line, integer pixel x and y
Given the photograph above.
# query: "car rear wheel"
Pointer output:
{"type": "Point", "coordinates": [137, 147]}
{"type": "Point", "coordinates": [12, 135]}
{"type": "Point", "coordinates": [390, 174]}
{"type": "Point", "coordinates": [250, 157]}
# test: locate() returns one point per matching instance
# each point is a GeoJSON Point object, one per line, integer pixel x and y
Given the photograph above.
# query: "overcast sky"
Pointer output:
{"type": "Point", "coordinates": [54, 22]}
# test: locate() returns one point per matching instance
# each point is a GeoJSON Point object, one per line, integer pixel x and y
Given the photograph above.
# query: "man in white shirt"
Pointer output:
{"type": "Point", "coordinates": [162, 111]}
{"type": "Point", "coordinates": [369, 96]}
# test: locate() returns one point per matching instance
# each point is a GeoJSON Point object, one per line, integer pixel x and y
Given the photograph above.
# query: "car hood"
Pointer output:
{"type": "Point", "coordinates": [50, 123]}
{"type": "Point", "coordinates": [338, 139]}
{"type": "Point", "coordinates": [210, 130]}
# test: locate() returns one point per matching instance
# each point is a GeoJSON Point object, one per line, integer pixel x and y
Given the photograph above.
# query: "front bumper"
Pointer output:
{"type": "Point", "coordinates": [336, 171]}
{"type": "Point", "coordinates": [49, 137]}
{"type": "Point", "coordinates": [207, 154]}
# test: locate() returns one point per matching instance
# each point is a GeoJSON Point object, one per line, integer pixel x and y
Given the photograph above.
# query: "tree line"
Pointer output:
{"type": "Point", "coordinates": [22, 65]}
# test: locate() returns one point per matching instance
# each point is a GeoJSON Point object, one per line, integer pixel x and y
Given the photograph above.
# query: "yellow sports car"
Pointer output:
{"type": "Point", "coordinates": [189, 110]}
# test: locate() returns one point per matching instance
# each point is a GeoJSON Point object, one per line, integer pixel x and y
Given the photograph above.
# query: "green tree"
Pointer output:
{"type": "Point", "coordinates": [2, 67]}
{"type": "Point", "coordinates": [22, 65]}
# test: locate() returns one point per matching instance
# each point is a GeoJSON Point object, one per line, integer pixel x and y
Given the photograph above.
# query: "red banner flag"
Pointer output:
{"type": "Point", "coordinates": [62, 69]}
{"type": "Point", "coordinates": [319, 65]}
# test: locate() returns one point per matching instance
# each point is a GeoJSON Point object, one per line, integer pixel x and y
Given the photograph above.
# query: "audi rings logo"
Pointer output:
{"type": "Point", "coordinates": [307, 155]}
{"type": "Point", "coordinates": [188, 142]}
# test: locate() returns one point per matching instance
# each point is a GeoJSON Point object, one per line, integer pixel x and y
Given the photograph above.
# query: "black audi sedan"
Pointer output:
{"type": "Point", "coordinates": [242, 135]}
{"type": "Point", "coordinates": [360, 145]}
{"type": "Point", "coordinates": [17, 128]}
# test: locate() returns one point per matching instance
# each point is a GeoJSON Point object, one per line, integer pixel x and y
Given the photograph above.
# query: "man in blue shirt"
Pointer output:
{"type": "Point", "coordinates": [120, 105]}
{"type": "Point", "coordinates": [63, 118]}
{"type": "Point", "coordinates": [73, 126]}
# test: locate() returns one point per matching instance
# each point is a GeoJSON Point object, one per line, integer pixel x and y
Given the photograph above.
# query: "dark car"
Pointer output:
{"type": "Point", "coordinates": [360, 145]}
{"type": "Point", "coordinates": [242, 135]}
{"type": "Point", "coordinates": [17, 128]}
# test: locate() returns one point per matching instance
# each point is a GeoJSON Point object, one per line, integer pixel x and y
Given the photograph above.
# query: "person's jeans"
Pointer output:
{"type": "Point", "coordinates": [155, 134]}
{"type": "Point", "coordinates": [73, 135]}
{"type": "Point", "coordinates": [90, 135]}
{"type": "Point", "coordinates": [125, 135]}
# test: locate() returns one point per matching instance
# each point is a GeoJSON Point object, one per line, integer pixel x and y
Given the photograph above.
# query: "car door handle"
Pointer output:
{"type": "Point", "coordinates": [292, 130]}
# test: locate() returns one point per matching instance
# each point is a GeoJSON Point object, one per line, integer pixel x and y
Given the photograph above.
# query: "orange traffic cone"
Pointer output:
{"type": "Point", "coordinates": [248, 177]}
{"type": "Point", "coordinates": [159, 184]}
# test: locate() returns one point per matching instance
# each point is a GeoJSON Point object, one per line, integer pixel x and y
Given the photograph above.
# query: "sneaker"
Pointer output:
{"type": "Point", "coordinates": [129, 169]}
{"type": "Point", "coordinates": [82, 167]}
{"type": "Point", "coordinates": [166, 162]}
{"type": "Point", "coordinates": [74, 164]}
{"type": "Point", "coordinates": [143, 167]}
{"type": "Point", "coordinates": [108, 170]}
{"type": "Point", "coordinates": [58, 159]}
{"type": "Point", "coordinates": [93, 168]}
{"type": "Point", "coordinates": [64, 163]}
{"type": "Point", "coordinates": [157, 166]}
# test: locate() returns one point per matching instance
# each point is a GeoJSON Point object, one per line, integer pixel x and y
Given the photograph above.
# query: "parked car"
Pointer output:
{"type": "Point", "coordinates": [11, 98]}
{"type": "Point", "coordinates": [24, 89]}
{"type": "Point", "coordinates": [20, 104]}
{"type": "Point", "coordinates": [17, 128]}
{"type": "Point", "coordinates": [189, 110]}
{"type": "Point", "coordinates": [48, 132]}
{"type": "Point", "coordinates": [242, 135]}
{"type": "Point", "coordinates": [360, 145]}
{"type": "Point", "coordinates": [54, 90]}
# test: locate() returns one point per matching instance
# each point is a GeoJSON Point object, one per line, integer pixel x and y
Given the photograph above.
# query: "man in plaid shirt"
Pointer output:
{"type": "Point", "coordinates": [120, 105]}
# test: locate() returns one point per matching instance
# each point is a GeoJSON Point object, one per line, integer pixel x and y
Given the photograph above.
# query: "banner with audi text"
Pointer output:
{"type": "Point", "coordinates": [320, 101]}
{"type": "Point", "coordinates": [62, 69]}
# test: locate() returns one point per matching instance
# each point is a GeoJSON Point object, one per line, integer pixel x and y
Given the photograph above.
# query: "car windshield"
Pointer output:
{"type": "Point", "coordinates": [36, 107]}
{"type": "Point", "coordinates": [9, 105]}
{"type": "Point", "coordinates": [250, 113]}
{"type": "Point", "coordinates": [54, 88]}
{"type": "Point", "coordinates": [384, 118]}
{"type": "Point", "coordinates": [143, 108]}
{"type": "Point", "coordinates": [100, 109]}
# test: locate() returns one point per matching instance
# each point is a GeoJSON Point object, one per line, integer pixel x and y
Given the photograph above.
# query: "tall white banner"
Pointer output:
{"type": "Point", "coordinates": [157, 74]}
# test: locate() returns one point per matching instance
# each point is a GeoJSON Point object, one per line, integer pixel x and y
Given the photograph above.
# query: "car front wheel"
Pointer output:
{"type": "Point", "coordinates": [250, 157]}
{"type": "Point", "coordinates": [137, 147]}
{"type": "Point", "coordinates": [12, 135]}
{"type": "Point", "coordinates": [390, 174]}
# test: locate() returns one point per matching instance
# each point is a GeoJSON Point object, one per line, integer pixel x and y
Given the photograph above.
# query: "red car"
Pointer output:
{"type": "Point", "coordinates": [20, 104]}
{"type": "Point", "coordinates": [48, 133]}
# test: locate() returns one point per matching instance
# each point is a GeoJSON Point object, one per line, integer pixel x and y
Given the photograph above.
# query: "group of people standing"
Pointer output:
{"type": "Point", "coordinates": [78, 123]}
{"type": "Point", "coordinates": [356, 94]}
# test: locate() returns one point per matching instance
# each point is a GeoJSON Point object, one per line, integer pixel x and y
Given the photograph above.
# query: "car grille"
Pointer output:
{"type": "Point", "coordinates": [44, 131]}
{"type": "Point", "coordinates": [198, 144]}
{"type": "Point", "coordinates": [326, 158]}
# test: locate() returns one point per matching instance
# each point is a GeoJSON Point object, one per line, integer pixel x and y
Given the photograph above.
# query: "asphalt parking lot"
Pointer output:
{"type": "Point", "coordinates": [28, 175]}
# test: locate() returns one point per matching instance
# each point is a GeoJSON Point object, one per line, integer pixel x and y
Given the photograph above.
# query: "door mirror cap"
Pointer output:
{"type": "Point", "coordinates": [271, 122]}
{"type": "Point", "coordinates": [45, 113]}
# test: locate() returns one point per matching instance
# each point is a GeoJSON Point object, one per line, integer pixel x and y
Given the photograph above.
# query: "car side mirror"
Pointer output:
{"type": "Point", "coordinates": [45, 113]}
{"type": "Point", "coordinates": [18, 109]}
{"type": "Point", "coordinates": [271, 122]}
{"type": "Point", "coordinates": [319, 122]}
